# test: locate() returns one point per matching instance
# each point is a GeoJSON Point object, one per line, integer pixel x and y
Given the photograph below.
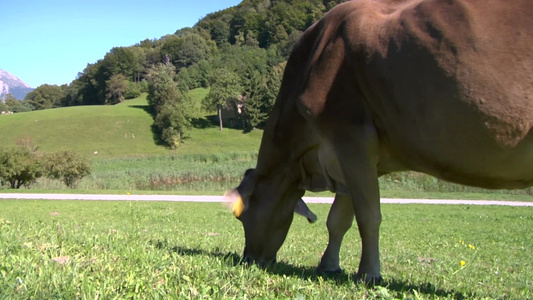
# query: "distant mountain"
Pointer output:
{"type": "Point", "coordinates": [11, 84]}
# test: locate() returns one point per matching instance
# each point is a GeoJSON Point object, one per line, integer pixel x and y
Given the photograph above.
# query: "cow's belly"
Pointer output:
{"type": "Point", "coordinates": [467, 157]}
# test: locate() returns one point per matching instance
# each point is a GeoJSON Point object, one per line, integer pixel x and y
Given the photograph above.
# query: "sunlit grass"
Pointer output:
{"type": "Point", "coordinates": [67, 250]}
{"type": "Point", "coordinates": [109, 130]}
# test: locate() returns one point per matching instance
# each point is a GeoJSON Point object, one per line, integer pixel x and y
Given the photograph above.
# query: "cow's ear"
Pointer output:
{"type": "Point", "coordinates": [237, 199]}
{"type": "Point", "coordinates": [235, 202]}
{"type": "Point", "coordinates": [246, 188]}
{"type": "Point", "coordinates": [302, 209]}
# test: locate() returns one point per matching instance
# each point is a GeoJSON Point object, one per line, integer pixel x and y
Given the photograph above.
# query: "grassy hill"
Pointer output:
{"type": "Point", "coordinates": [119, 130]}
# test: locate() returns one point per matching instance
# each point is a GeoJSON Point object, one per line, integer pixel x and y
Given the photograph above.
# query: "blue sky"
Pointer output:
{"type": "Point", "coordinates": [45, 41]}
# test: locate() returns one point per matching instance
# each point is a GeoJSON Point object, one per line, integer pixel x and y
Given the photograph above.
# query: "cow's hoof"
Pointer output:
{"type": "Point", "coordinates": [247, 261]}
{"type": "Point", "coordinates": [328, 272]}
{"type": "Point", "coordinates": [368, 281]}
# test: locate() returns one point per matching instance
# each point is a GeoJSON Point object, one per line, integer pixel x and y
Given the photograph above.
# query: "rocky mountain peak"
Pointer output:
{"type": "Point", "coordinates": [11, 84]}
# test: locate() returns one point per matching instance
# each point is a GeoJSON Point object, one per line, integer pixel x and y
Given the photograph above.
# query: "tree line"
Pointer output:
{"type": "Point", "coordinates": [238, 53]}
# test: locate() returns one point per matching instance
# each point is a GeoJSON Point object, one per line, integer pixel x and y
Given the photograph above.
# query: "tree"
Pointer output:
{"type": "Point", "coordinates": [219, 31]}
{"type": "Point", "coordinates": [200, 74]}
{"type": "Point", "coordinates": [117, 86]}
{"type": "Point", "coordinates": [254, 106]}
{"type": "Point", "coordinates": [187, 50]}
{"type": "Point", "coordinates": [91, 84]}
{"type": "Point", "coordinates": [194, 49]}
{"type": "Point", "coordinates": [184, 79]}
{"type": "Point", "coordinates": [169, 103]}
{"type": "Point", "coordinates": [72, 93]}
{"type": "Point", "coordinates": [261, 95]}
{"type": "Point", "coordinates": [171, 121]}
{"type": "Point", "coordinates": [46, 96]}
{"type": "Point", "coordinates": [67, 166]}
{"type": "Point", "coordinates": [19, 165]}
{"type": "Point", "coordinates": [17, 106]}
{"type": "Point", "coordinates": [133, 90]}
{"type": "Point", "coordinates": [123, 60]}
{"type": "Point", "coordinates": [225, 86]}
{"type": "Point", "coordinates": [161, 85]}
{"type": "Point", "coordinates": [3, 107]}
{"type": "Point", "coordinates": [287, 45]}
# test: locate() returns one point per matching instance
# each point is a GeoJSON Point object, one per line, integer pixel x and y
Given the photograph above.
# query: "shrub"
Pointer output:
{"type": "Point", "coordinates": [67, 166]}
{"type": "Point", "coordinates": [19, 165]}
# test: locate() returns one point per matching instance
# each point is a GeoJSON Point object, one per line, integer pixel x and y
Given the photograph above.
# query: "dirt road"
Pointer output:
{"type": "Point", "coordinates": [180, 198]}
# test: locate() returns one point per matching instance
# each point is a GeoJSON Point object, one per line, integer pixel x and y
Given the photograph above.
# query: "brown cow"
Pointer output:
{"type": "Point", "coordinates": [441, 87]}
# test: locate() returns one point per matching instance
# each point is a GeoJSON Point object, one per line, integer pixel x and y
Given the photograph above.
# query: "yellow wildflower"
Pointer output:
{"type": "Point", "coordinates": [472, 246]}
{"type": "Point", "coordinates": [462, 263]}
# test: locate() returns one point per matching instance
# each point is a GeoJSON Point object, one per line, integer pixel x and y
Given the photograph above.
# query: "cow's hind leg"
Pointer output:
{"type": "Point", "coordinates": [340, 219]}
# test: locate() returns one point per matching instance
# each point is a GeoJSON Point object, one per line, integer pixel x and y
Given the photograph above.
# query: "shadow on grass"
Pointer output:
{"type": "Point", "coordinates": [211, 121]}
{"type": "Point", "coordinates": [202, 123]}
{"type": "Point", "coordinates": [423, 288]}
{"type": "Point", "coordinates": [147, 108]}
{"type": "Point", "coordinates": [156, 132]}
{"type": "Point", "coordinates": [310, 273]}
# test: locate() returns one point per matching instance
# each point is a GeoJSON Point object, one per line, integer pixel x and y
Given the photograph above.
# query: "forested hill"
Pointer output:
{"type": "Point", "coordinates": [264, 23]}
{"type": "Point", "coordinates": [238, 53]}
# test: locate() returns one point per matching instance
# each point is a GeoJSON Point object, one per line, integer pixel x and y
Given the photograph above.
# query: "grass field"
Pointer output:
{"type": "Point", "coordinates": [138, 250]}
{"type": "Point", "coordinates": [86, 129]}
{"type": "Point", "coordinates": [118, 130]}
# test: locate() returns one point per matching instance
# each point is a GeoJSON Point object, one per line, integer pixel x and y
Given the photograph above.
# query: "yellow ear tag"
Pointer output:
{"type": "Point", "coordinates": [238, 207]}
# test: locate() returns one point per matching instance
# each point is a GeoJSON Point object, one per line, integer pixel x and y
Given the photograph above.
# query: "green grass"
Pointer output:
{"type": "Point", "coordinates": [198, 95]}
{"type": "Point", "coordinates": [117, 130]}
{"type": "Point", "coordinates": [213, 141]}
{"type": "Point", "coordinates": [72, 250]}
{"type": "Point", "coordinates": [86, 129]}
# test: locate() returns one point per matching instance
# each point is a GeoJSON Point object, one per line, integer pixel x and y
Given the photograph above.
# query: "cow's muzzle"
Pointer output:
{"type": "Point", "coordinates": [249, 260]}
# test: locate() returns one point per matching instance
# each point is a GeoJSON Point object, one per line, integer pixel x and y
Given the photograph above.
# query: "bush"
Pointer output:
{"type": "Point", "coordinates": [67, 166]}
{"type": "Point", "coordinates": [19, 165]}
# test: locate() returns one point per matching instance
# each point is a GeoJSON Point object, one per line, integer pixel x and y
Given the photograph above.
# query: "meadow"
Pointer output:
{"type": "Point", "coordinates": [129, 159]}
{"type": "Point", "coordinates": [120, 130]}
{"type": "Point", "coordinates": [86, 129]}
{"type": "Point", "coordinates": [161, 250]}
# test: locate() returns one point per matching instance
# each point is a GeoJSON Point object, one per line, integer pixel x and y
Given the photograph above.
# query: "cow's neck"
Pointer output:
{"type": "Point", "coordinates": [286, 139]}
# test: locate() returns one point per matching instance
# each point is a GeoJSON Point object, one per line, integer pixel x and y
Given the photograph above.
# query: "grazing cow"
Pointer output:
{"type": "Point", "coordinates": [441, 87]}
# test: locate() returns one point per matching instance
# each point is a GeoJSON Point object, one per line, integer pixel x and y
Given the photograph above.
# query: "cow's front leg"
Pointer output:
{"type": "Point", "coordinates": [368, 216]}
{"type": "Point", "coordinates": [363, 181]}
{"type": "Point", "coordinates": [340, 219]}
{"type": "Point", "coordinates": [359, 153]}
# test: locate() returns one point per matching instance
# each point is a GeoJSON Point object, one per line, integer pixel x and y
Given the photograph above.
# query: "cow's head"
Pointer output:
{"type": "Point", "coordinates": [265, 206]}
